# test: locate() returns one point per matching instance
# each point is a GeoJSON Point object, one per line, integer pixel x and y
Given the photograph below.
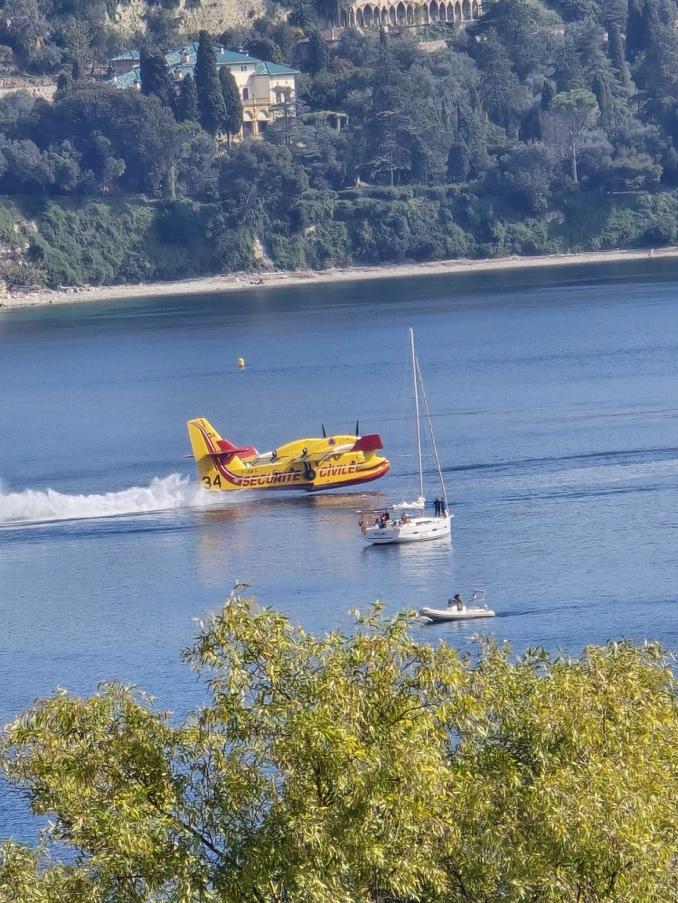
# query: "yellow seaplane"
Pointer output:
{"type": "Point", "coordinates": [330, 462]}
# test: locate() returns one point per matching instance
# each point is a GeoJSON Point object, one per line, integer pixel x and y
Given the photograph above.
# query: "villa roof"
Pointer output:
{"type": "Point", "coordinates": [274, 68]}
{"type": "Point", "coordinates": [127, 55]}
{"type": "Point", "coordinates": [182, 60]}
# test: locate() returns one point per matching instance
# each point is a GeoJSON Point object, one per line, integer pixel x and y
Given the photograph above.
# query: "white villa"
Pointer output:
{"type": "Point", "coordinates": [267, 90]}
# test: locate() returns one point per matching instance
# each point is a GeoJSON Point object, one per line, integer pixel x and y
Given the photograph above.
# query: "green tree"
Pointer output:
{"type": "Point", "coordinates": [232, 122]}
{"type": "Point", "coordinates": [187, 101]}
{"type": "Point", "coordinates": [210, 98]}
{"type": "Point", "coordinates": [143, 134]}
{"type": "Point", "coordinates": [575, 111]}
{"type": "Point", "coordinates": [635, 30]}
{"type": "Point", "coordinates": [155, 75]}
{"type": "Point", "coordinates": [501, 94]}
{"type": "Point", "coordinates": [260, 183]}
{"type": "Point", "coordinates": [262, 47]}
{"type": "Point", "coordinates": [617, 51]}
{"type": "Point", "coordinates": [359, 767]}
{"type": "Point", "coordinates": [318, 53]}
{"type": "Point", "coordinates": [303, 14]}
{"type": "Point", "coordinates": [23, 27]}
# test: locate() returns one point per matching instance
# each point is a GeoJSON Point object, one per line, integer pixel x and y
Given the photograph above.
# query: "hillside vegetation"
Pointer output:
{"type": "Point", "coordinates": [539, 128]}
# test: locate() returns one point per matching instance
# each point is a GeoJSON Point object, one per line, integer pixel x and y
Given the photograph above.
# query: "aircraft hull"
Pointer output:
{"type": "Point", "coordinates": [308, 465]}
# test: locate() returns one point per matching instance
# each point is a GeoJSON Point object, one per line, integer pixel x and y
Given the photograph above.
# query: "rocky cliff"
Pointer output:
{"type": "Point", "coordinates": [212, 15]}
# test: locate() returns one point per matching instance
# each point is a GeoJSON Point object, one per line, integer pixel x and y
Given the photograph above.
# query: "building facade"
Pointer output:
{"type": "Point", "coordinates": [404, 13]}
{"type": "Point", "coordinates": [267, 90]}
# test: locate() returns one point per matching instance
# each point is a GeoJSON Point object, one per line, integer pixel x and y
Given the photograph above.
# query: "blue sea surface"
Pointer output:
{"type": "Point", "coordinates": [554, 396]}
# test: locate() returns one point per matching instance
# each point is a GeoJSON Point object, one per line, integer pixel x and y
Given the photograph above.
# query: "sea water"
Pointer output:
{"type": "Point", "coordinates": [554, 396]}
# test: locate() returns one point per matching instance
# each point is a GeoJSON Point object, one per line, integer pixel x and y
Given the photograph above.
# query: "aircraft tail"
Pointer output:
{"type": "Point", "coordinates": [207, 444]}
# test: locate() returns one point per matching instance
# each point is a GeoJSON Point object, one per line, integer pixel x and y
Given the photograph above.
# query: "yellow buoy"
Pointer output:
{"type": "Point", "coordinates": [241, 363]}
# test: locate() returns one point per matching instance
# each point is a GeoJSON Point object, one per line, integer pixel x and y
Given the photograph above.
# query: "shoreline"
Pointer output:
{"type": "Point", "coordinates": [243, 281]}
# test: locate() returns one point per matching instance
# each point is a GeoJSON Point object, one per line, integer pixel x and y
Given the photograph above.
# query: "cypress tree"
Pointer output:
{"type": "Point", "coordinates": [635, 32]}
{"type": "Point", "coordinates": [318, 54]}
{"type": "Point", "coordinates": [617, 51]}
{"type": "Point", "coordinates": [548, 92]}
{"type": "Point", "coordinates": [210, 99]}
{"type": "Point", "coordinates": [155, 76]}
{"type": "Point", "coordinates": [652, 27]}
{"type": "Point", "coordinates": [232, 103]}
{"type": "Point", "coordinates": [187, 102]}
{"type": "Point", "coordinates": [601, 89]}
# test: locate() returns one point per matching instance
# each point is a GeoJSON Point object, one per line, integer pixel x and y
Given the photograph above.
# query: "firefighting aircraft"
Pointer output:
{"type": "Point", "coordinates": [309, 464]}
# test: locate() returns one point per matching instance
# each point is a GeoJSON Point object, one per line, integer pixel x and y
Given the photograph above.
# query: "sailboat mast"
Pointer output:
{"type": "Point", "coordinates": [415, 385]}
{"type": "Point", "coordinates": [436, 456]}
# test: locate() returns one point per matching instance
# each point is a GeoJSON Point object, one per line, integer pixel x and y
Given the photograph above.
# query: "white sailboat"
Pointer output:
{"type": "Point", "coordinates": [405, 527]}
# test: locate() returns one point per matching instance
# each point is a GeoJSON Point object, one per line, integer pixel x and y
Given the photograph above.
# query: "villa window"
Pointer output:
{"type": "Point", "coordinates": [245, 94]}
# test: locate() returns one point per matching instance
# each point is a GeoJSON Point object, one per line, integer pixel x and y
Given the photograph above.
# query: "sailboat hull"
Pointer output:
{"type": "Point", "coordinates": [416, 529]}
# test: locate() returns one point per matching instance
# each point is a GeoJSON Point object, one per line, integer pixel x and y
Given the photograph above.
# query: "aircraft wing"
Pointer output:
{"type": "Point", "coordinates": [320, 456]}
{"type": "Point", "coordinates": [361, 444]}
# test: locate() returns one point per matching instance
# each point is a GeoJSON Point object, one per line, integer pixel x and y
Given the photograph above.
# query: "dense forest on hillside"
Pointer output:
{"type": "Point", "coordinates": [538, 128]}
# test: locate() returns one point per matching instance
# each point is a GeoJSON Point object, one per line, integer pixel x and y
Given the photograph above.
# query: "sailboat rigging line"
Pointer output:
{"type": "Point", "coordinates": [430, 430]}
{"type": "Point", "coordinates": [415, 387]}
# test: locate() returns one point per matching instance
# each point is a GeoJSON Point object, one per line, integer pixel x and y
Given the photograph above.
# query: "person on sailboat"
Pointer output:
{"type": "Point", "coordinates": [436, 505]}
{"type": "Point", "coordinates": [443, 508]}
{"type": "Point", "coordinates": [456, 601]}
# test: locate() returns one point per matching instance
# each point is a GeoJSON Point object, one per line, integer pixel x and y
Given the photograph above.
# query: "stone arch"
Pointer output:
{"type": "Point", "coordinates": [359, 18]}
{"type": "Point", "coordinates": [401, 13]}
{"type": "Point", "coordinates": [466, 9]}
{"type": "Point", "coordinates": [475, 10]}
{"type": "Point", "coordinates": [392, 15]}
{"type": "Point", "coordinates": [384, 16]}
{"type": "Point", "coordinates": [450, 12]}
{"type": "Point", "coordinates": [351, 18]}
{"type": "Point", "coordinates": [368, 15]}
{"type": "Point", "coordinates": [442, 12]}
{"type": "Point", "coordinates": [457, 12]}
{"type": "Point", "coordinates": [247, 124]}
{"type": "Point", "coordinates": [418, 14]}
{"type": "Point", "coordinates": [424, 15]}
{"type": "Point", "coordinates": [409, 12]}
{"type": "Point", "coordinates": [433, 11]}
{"type": "Point", "coordinates": [343, 21]}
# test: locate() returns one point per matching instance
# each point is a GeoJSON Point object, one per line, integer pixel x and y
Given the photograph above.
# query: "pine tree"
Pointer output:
{"type": "Point", "coordinates": [210, 99]}
{"type": "Point", "coordinates": [232, 104]}
{"type": "Point", "coordinates": [187, 102]}
{"type": "Point", "coordinates": [155, 76]}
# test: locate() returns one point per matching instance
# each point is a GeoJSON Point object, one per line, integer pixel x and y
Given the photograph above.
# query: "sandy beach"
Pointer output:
{"type": "Point", "coordinates": [273, 279]}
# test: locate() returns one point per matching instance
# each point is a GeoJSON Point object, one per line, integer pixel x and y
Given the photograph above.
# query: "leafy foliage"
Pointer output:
{"type": "Point", "coordinates": [359, 767]}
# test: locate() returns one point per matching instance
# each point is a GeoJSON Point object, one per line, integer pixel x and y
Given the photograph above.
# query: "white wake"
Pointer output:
{"type": "Point", "coordinates": [419, 503]}
{"type": "Point", "coordinates": [38, 506]}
